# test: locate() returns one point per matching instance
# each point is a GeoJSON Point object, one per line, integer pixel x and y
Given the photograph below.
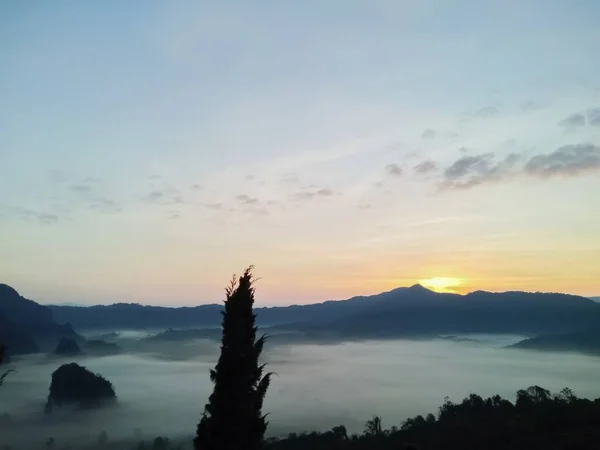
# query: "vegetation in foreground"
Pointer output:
{"type": "Point", "coordinates": [537, 420]}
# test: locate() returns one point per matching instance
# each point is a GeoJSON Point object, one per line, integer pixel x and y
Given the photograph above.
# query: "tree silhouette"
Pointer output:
{"type": "Point", "coordinates": [373, 426]}
{"type": "Point", "coordinates": [232, 419]}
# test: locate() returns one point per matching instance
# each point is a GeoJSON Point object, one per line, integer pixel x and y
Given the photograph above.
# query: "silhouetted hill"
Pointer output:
{"type": "Point", "coordinates": [15, 338]}
{"type": "Point", "coordinates": [75, 386]}
{"type": "Point", "coordinates": [26, 326]}
{"type": "Point", "coordinates": [587, 342]}
{"type": "Point", "coordinates": [419, 311]}
{"type": "Point", "coordinates": [404, 311]}
{"type": "Point", "coordinates": [67, 347]}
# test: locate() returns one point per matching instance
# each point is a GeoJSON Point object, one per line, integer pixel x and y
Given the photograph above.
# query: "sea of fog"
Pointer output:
{"type": "Point", "coordinates": [163, 392]}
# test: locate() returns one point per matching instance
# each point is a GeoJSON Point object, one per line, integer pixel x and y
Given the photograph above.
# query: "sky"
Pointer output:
{"type": "Point", "coordinates": [149, 150]}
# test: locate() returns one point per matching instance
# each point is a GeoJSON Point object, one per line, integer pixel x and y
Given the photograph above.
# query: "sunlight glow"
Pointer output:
{"type": "Point", "coordinates": [441, 284]}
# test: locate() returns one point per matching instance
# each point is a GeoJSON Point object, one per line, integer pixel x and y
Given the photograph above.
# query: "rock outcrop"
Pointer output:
{"type": "Point", "coordinates": [76, 387]}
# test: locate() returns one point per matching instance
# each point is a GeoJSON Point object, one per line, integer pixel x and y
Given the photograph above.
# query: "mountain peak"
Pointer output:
{"type": "Point", "coordinates": [419, 288]}
{"type": "Point", "coordinates": [7, 291]}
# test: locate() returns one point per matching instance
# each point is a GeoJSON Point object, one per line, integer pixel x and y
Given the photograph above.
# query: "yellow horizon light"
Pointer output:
{"type": "Point", "coordinates": [441, 284]}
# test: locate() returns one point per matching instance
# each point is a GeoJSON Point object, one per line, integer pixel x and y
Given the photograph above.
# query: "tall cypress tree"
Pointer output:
{"type": "Point", "coordinates": [232, 418]}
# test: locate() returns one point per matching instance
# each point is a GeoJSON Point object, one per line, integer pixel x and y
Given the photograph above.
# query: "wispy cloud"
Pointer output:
{"type": "Point", "coordinates": [568, 160]}
{"type": "Point", "coordinates": [105, 205]}
{"type": "Point", "coordinates": [246, 199]}
{"type": "Point", "coordinates": [61, 176]}
{"type": "Point", "coordinates": [393, 169]}
{"type": "Point", "coordinates": [311, 195]}
{"type": "Point", "coordinates": [28, 215]}
{"type": "Point", "coordinates": [530, 106]}
{"type": "Point", "coordinates": [470, 171]}
{"type": "Point", "coordinates": [81, 188]}
{"type": "Point", "coordinates": [426, 167]}
{"type": "Point", "coordinates": [486, 112]}
{"type": "Point", "coordinates": [593, 117]}
{"type": "Point", "coordinates": [572, 122]}
{"type": "Point", "coordinates": [169, 196]}
{"type": "Point", "coordinates": [428, 134]}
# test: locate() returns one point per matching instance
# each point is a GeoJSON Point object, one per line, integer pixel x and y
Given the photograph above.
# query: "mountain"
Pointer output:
{"type": "Point", "coordinates": [596, 299]}
{"type": "Point", "coordinates": [411, 311]}
{"type": "Point", "coordinates": [417, 310]}
{"type": "Point", "coordinates": [26, 326]}
{"type": "Point", "coordinates": [587, 341]}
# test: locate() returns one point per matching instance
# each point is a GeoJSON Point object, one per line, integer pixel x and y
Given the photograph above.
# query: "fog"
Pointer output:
{"type": "Point", "coordinates": [163, 392]}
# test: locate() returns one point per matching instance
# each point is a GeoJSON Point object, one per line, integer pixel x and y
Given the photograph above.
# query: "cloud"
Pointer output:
{"type": "Point", "coordinates": [290, 178]}
{"type": "Point", "coordinates": [215, 206]}
{"type": "Point", "coordinates": [486, 112]}
{"type": "Point", "coordinates": [569, 160]}
{"type": "Point", "coordinates": [92, 180]}
{"type": "Point", "coordinates": [470, 171]}
{"type": "Point", "coordinates": [154, 177]}
{"type": "Point", "coordinates": [310, 195]}
{"type": "Point", "coordinates": [593, 116]}
{"type": "Point", "coordinates": [196, 187]}
{"type": "Point", "coordinates": [47, 219]}
{"type": "Point", "coordinates": [105, 205]}
{"type": "Point", "coordinates": [164, 197]}
{"type": "Point", "coordinates": [429, 134]}
{"type": "Point", "coordinates": [60, 176]}
{"type": "Point", "coordinates": [393, 169]}
{"type": "Point", "coordinates": [80, 188]}
{"type": "Point", "coordinates": [172, 215]}
{"type": "Point", "coordinates": [426, 167]}
{"type": "Point", "coordinates": [573, 121]}
{"type": "Point", "coordinates": [246, 199]}
{"type": "Point", "coordinates": [28, 215]}
{"type": "Point", "coordinates": [530, 106]}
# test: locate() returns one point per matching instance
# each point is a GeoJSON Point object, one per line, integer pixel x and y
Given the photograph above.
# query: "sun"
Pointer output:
{"type": "Point", "coordinates": [441, 284]}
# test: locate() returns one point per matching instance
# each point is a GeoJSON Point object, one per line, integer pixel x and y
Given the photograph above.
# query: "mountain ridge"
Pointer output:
{"type": "Point", "coordinates": [413, 309]}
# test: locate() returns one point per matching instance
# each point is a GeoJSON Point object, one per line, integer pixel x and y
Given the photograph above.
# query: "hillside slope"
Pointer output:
{"type": "Point", "coordinates": [26, 326]}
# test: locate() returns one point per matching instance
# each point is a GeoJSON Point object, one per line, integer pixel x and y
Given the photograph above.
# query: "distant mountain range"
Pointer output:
{"type": "Point", "coordinates": [404, 311]}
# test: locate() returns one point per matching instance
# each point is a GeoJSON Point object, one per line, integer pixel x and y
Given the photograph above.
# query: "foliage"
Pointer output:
{"type": "Point", "coordinates": [537, 420]}
{"type": "Point", "coordinates": [232, 419]}
{"type": "Point", "coordinates": [75, 385]}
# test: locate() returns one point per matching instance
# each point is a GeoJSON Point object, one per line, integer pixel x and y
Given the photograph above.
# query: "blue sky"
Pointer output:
{"type": "Point", "coordinates": [148, 150]}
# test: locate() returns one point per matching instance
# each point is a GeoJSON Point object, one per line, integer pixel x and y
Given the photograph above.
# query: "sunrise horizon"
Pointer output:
{"type": "Point", "coordinates": [150, 151]}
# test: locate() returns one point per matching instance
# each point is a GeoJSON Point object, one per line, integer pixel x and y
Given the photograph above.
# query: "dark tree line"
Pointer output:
{"type": "Point", "coordinates": [537, 420]}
